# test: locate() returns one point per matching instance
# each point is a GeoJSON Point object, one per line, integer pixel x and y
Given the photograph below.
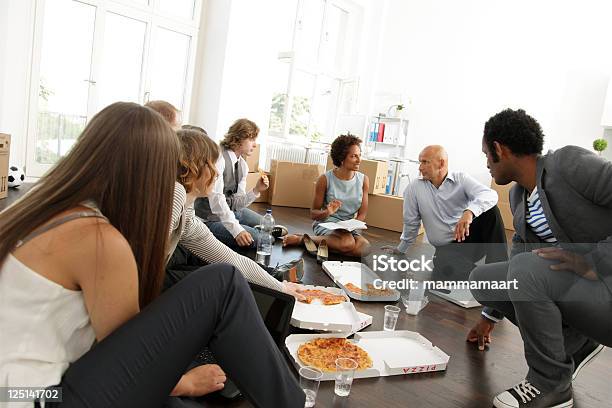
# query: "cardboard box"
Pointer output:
{"type": "Point", "coordinates": [397, 352]}
{"type": "Point", "coordinates": [504, 203]}
{"type": "Point", "coordinates": [253, 160]}
{"type": "Point", "coordinates": [386, 212]}
{"type": "Point", "coordinates": [342, 317]}
{"type": "Point", "coordinates": [376, 170]}
{"type": "Point", "coordinates": [5, 149]}
{"type": "Point", "coordinates": [250, 183]}
{"type": "Point", "coordinates": [291, 184]}
{"type": "Point", "coordinates": [360, 275]}
{"type": "Point", "coordinates": [506, 213]}
{"type": "Point", "coordinates": [502, 191]}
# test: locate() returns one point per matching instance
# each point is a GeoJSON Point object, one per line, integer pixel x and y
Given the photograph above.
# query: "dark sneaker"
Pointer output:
{"type": "Point", "coordinates": [279, 231]}
{"type": "Point", "coordinates": [585, 355]}
{"type": "Point", "coordinates": [525, 395]}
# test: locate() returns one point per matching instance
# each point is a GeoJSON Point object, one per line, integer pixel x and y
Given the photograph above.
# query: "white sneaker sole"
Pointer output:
{"type": "Point", "coordinates": [498, 404]}
{"type": "Point", "coordinates": [587, 360]}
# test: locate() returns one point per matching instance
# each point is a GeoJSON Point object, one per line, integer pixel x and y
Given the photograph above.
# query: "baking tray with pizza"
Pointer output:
{"type": "Point", "coordinates": [378, 353]}
{"type": "Point", "coordinates": [358, 281]}
{"type": "Point", "coordinates": [327, 309]}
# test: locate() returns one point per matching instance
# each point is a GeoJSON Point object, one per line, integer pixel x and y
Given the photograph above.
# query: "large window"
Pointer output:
{"type": "Point", "coordinates": [316, 70]}
{"type": "Point", "coordinates": [91, 53]}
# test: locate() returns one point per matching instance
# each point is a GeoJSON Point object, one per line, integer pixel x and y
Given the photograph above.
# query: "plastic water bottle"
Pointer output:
{"type": "Point", "coordinates": [265, 240]}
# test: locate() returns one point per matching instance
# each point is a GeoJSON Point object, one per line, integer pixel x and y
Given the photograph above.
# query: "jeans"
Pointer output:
{"type": "Point", "coordinates": [247, 219]}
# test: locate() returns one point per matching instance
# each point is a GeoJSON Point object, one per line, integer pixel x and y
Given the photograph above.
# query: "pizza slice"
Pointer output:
{"type": "Point", "coordinates": [326, 298]}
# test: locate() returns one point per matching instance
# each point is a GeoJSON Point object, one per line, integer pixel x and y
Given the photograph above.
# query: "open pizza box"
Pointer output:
{"type": "Point", "coordinates": [392, 353]}
{"type": "Point", "coordinates": [342, 317]}
{"type": "Point", "coordinates": [360, 275]}
{"type": "Point", "coordinates": [461, 297]}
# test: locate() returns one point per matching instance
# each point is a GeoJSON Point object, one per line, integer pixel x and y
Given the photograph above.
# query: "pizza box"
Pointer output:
{"type": "Point", "coordinates": [392, 352]}
{"type": "Point", "coordinates": [358, 274]}
{"type": "Point", "coordinates": [461, 297]}
{"type": "Point", "coordinates": [342, 317]}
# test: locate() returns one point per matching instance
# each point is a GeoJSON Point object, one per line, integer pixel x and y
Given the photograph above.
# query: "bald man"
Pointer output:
{"type": "Point", "coordinates": [455, 210]}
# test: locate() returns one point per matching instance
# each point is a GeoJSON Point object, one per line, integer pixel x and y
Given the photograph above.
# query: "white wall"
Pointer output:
{"type": "Point", "coordinates": [608, 152]}
{"type": "Point", "coordinates": [461, 62]}
{"type": "Point", "coordinates": [16, 31]}
{"type": "Point", "coordinates": [210, 61]}
{"type": "Point", "coordinates": [232, 77]}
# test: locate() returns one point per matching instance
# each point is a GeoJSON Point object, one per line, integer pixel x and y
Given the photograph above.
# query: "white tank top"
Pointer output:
{"type": "Point", "coordinates": [44, 327]}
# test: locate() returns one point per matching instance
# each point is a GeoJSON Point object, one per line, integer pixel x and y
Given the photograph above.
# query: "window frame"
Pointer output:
{"type": "Point", "coordinates": [148, 14]}
{"type": "Point", "coordinates": [355, 12]}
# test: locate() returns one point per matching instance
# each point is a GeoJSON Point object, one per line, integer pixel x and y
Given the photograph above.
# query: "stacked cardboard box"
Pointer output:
{"type": "Point", "coordinates": [292, 183]}
{"type": "Point", "coordinates": [5, 149]}
{"type": "Point", "coordinates": [250, 184]}
{"type": "Point", "coordinates": [253, 163]}
{"type": "Point", "coordinates": [504, 203]}
{"type": "Point", "coordinates": [376, 170]}
{"type": "Point", "coordinates": [253, 160]}
{"type": "Point", "coordinates": [386, 212]}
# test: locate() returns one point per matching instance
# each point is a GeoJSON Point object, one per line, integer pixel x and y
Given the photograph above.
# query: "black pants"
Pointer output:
{"type": "Point", "coordinates": [139, 364]}
{"type": "Point", "coordinates": [181, 263]}
{"type": "Point", "coordinates": [487, 239]}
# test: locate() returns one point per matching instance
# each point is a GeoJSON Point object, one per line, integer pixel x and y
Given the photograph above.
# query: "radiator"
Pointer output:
{"type": "Point", "coordinates": [295, 153]}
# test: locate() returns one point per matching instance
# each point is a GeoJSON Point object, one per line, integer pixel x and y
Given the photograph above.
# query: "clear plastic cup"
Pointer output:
{"type": "Point", "coordinates": [391, 315]}
{"type": "Point", "coordinates": [310, 377]}
{"type": "Point", "coordinates": [345, 371]}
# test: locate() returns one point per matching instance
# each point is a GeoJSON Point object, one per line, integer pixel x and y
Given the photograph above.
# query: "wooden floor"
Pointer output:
{"type": "Point", "coordinates": [472, 378]}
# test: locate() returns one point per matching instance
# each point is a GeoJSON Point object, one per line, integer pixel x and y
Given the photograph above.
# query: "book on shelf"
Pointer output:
{"type": "Point", "coordinates": [373, 131]}
{"type": "Point", "coordinates": [381, 132]}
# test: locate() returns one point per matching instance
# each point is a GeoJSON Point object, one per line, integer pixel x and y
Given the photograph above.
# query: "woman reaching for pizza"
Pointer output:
{"type": "Point", "coordinates": [82, 261]}
{"type": "Point", "coordinates": [340, 194]}
{"type": "Point", "coordinates": [196, 178]}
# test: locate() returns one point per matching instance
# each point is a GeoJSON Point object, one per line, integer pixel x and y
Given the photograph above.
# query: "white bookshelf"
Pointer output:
{"type": "Point", "coordinates": [392, 148]}
{"type": "Point", "coordinates": [395, 135]}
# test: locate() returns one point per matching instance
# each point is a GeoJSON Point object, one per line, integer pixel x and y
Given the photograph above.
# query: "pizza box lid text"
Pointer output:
{"type": "Point", "coordinates": [337, 318]}
{"type": "Point", "coordinates": [392, 353]}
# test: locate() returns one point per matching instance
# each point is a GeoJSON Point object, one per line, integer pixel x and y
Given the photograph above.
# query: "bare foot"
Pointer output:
{"type": "Point", "coordinates": [292, 239]}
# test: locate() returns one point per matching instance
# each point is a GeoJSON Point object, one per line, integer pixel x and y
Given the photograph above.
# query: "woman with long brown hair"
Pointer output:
{"type": "Point", "coordinates": [84, 251]}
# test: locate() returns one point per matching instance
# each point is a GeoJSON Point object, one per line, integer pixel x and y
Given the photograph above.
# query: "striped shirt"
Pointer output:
{"type": "Point", "coordinates": [195, 236]}
{"type": "Point", "coordinates": [536, 220]}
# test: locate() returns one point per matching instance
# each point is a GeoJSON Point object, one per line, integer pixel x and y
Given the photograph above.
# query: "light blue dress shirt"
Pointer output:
{"type": "Point", "coordinates": [441, 208]}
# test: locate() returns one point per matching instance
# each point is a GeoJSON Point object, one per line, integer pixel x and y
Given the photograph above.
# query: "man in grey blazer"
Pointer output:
{"type": "Point", "coordinates": [561, 258]}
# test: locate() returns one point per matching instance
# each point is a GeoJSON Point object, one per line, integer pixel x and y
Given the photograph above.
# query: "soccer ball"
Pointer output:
{"type": "Point", "coordinates": [15, 176]}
